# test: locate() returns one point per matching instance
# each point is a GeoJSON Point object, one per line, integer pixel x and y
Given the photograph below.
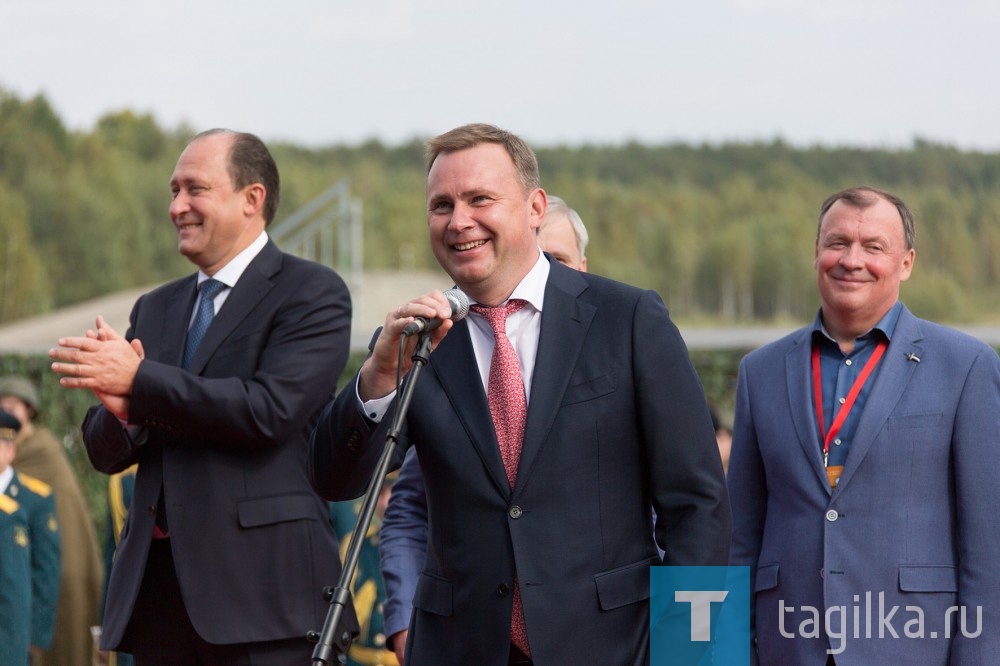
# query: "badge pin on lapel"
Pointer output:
{"type": "Point", "coordinates": [913, 357]}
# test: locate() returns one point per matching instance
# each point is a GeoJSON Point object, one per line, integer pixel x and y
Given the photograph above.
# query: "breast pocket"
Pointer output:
{"type": "Point", "coordinates": [912, 421]}
{"type": "Point", "coordinates": [591, 389]}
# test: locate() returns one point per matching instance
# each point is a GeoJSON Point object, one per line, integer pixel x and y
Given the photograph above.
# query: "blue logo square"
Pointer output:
{"type": "Point", "coordinates": [699, 616]}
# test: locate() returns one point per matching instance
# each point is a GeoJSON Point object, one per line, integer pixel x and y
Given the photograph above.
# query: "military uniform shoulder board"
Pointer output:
{"type": "Point", "coordinates": [36, 486]}
{"type": "Point", "coordinates": [8, 504]}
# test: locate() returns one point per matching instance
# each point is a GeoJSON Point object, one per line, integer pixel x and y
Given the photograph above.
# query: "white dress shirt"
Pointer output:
{"type": "Point", "coordinates": [523, 328]}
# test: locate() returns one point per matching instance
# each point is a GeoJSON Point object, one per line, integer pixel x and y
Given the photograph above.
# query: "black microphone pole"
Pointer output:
{"type": "Point", "coordinates": [334, 637]}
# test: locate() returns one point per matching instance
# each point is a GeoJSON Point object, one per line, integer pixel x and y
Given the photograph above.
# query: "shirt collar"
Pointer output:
{"type": "Point", "coordinates": [6, 477]}
{"type": "Point", "coordinates": [531, 288]}
{"type": "Point", "coordinates": [886, 325]}
{"type": "Point", "coordinates": [230, 274]}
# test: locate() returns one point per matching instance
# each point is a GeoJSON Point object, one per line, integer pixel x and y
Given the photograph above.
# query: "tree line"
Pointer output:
{"type": "Point", "coordinates": [725, 233]}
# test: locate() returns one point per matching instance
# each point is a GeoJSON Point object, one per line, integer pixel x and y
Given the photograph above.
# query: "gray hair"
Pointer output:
{"type": "Point", "coordinates": [558, 206]}
{"type": "Point", "coordinates": [864, 197]}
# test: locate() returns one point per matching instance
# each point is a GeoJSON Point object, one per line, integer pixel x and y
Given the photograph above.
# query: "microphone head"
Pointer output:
{"type": "Point", "coordinates": [459, 303]}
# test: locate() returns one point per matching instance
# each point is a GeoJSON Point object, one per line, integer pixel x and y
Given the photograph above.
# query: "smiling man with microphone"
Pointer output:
{"type": "Point", "coordinates": [547, 422]}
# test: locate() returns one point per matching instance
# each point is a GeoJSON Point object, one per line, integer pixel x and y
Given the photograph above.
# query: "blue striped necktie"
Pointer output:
{"type": "Point", "coordinates": [202, 320]}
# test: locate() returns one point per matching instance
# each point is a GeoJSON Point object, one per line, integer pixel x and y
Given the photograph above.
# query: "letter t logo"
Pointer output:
{"type": "Point", "coordinates": [701, 610]}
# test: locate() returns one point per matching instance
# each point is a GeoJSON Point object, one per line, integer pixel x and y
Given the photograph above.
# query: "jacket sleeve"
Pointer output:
{"type": "Point", "coordinates": [403, 543]}
{"type": "Point", "coordinates": [345, 447]}
{"type": "Point", "coordinates": [976, 469]}
{"type": "Point", "coordinates": [693, 521]}
{"type": "Point", "coordinates": [265, 383]}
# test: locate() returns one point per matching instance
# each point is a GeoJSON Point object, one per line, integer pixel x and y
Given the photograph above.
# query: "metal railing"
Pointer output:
{"type": "Point", "coordinates": [327, 230]}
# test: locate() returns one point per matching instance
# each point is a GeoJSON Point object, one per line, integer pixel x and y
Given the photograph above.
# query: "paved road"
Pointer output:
{"type": "Point", "coordinates": [379, 293]}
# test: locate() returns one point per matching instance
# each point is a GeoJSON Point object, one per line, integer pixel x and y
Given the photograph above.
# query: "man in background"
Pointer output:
{"type": "Point", "coordinates": [43, 533]}
{"type": "Point", "coordinates": [213, 392]}
{"type": "Point", "coordinates": [15, 581]}
{"type": "Point", "coordinates": [864, 466]}
{"type": "Point", "coordinates": [403, 538]}
{"type": "Point", "coordinates": [41, 455]}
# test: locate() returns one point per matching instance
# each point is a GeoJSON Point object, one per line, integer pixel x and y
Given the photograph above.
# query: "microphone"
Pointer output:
{"type": "Point", "coordinates": [459, 308]}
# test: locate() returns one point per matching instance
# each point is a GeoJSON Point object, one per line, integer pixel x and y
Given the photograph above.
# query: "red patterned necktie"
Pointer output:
{"type": "Point", "coordinates": [509, 409]}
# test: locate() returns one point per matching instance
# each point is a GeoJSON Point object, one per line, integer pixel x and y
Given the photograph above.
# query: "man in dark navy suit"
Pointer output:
{"type": "Point", "coordinates": [543, 439]}
{"type": "Point", "coordinates": [226, 548]}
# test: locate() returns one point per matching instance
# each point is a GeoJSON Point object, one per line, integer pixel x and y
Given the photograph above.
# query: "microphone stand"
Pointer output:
{"type": "Point", "coordinates": [334, 638]}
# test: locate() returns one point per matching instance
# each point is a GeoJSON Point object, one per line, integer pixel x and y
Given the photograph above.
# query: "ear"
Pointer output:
{"type": "Point", "coordinates": [538, 203]}
{"type": "Point", "coordinates": [908, 260]}
{"type": "Point", "coordinates": [253, 199]}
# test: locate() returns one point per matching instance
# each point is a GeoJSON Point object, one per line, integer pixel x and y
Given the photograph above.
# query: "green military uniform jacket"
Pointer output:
{"type": "Point", "coordinates": [15, 583]}
{"type": "Point", "coordinates": [40, 454]}
{"type": "Point", "coordinates": [39, 504]}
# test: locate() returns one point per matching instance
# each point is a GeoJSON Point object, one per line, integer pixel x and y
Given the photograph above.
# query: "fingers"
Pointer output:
{"type": "Point", "coordinates": [71, 380]}
{"type": "Point", "coordinates": [429, 306]}
{"type": "Point", "coordinates": [81, 361]}
{"type": "Point", "coordinates": [105, 331]}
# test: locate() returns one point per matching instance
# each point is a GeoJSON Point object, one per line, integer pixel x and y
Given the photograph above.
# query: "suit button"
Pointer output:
{"type": "Point", "coordinates": [832, 515]}
{"type": "Point", "coordinates": [515, 512]}
{"type": "Point", "coordinates": [502, 589]}
{"type": "Point", "coordinates": [151, 508]}
{"type": "Point", "coordinates": [822, 573]}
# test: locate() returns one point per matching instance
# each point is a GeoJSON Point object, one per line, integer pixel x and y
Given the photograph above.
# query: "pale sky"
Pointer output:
{"type": "Point", "coordinates": [873, 73]}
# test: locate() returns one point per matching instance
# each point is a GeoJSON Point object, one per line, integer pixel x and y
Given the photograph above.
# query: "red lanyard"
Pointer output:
{"type": "Point", "coordinates": [852, 395]}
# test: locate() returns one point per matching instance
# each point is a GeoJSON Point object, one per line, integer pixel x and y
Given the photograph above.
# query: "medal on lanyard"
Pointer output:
{"type": "Point", "coordinates": [833, 473]}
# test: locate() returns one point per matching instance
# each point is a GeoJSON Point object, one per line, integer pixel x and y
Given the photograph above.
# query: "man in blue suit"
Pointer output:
{"type": "Point", "coordinates": [539, 546]}
{"type": "Point", "coordinates": [226, 548]}
{"type": "Point", "coordinates": [864, 466]}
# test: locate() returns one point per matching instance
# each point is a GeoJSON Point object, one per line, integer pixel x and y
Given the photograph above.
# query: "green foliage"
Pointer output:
{"type": "Point", "coordinates": [724, 233]}
{"type": "Point", "coordinates": [22, 274]}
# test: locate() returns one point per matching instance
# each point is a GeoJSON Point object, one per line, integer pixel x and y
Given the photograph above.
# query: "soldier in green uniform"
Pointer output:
{"type": "Point", "coordinates": [40, 453]}
{"type": "Point", "coordinates": [367, 587]}
{"type": "Point", "coordinates": [15, 577]}
{"type": "Point", "coordinates": [43, 531]}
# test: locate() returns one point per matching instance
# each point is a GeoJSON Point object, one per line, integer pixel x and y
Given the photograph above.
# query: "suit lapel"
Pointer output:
{"type": "Point", "coordinates": [176, 317]}
{"type": "Point", "coordinates": [894, 373]}
{"type": "Point", "coordinates": [565, 321]}
{"type": "Point", "coordinates": [798, 379]}
{"type": "Point", "coordinates": [454, 365]}
{"type": "Point", "coordinates": [251, 288]}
